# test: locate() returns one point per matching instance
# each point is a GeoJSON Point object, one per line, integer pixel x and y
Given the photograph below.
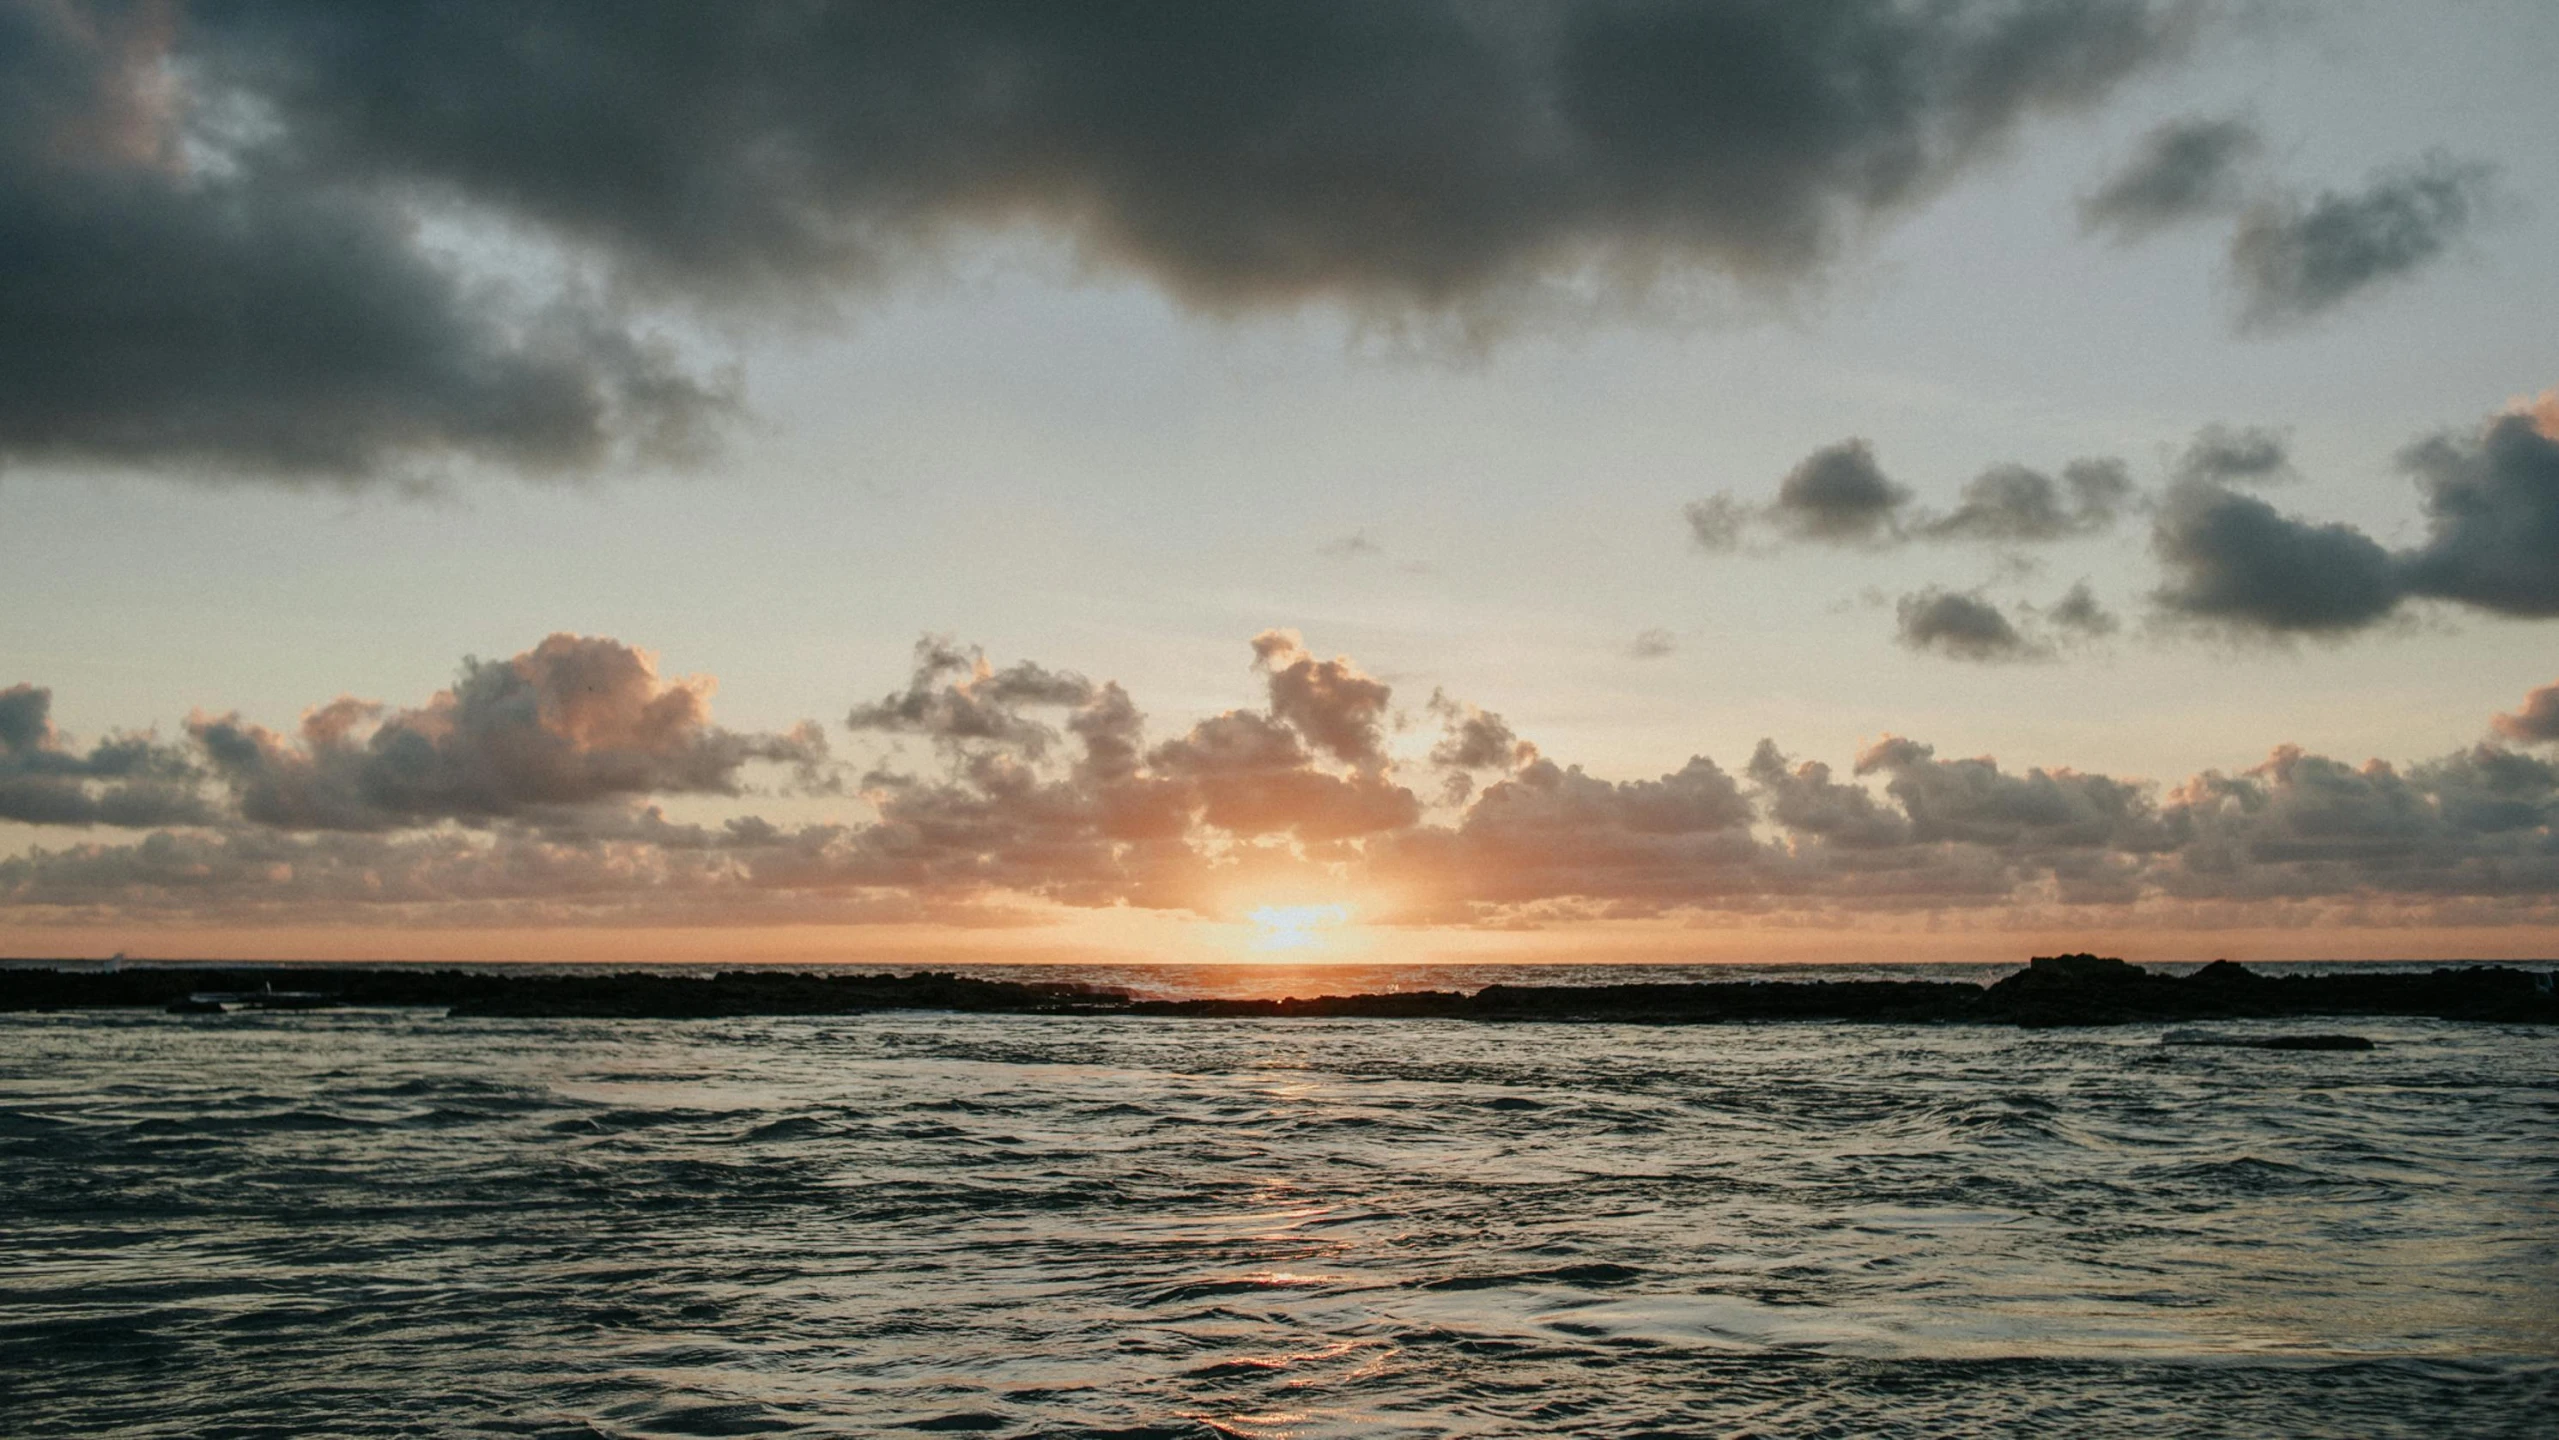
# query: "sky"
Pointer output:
{"type": "Point", "coordinates": [1471, 481]}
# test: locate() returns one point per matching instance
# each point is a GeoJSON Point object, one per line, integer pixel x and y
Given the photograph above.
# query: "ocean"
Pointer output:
{"type": "Point", "coordinates": [380, 1223]}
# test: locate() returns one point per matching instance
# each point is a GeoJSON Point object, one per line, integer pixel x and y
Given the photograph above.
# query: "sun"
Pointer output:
{"type": "Point", "coordinates": [1296, 927]}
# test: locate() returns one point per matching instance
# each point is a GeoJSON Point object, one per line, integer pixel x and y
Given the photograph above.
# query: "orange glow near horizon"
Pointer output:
{"type": "Point", "coordinates": [1123, 935]}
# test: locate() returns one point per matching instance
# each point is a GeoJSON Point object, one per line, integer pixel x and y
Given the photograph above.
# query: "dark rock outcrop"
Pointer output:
{"type": "Point", "coordinates": [2266, 1042]}
{"type": "Point", "coordinates": [2094, 990]}
{"type": "Point", "coordinates": [2051, 990]}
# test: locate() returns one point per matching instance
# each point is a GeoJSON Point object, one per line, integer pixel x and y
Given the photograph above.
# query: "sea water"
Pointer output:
{"type": "Point", "coordinates": [397, 1223]}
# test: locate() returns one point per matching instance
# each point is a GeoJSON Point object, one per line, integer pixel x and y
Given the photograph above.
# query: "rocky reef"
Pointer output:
{"type": "Point", "coordinates": [2051, 990]}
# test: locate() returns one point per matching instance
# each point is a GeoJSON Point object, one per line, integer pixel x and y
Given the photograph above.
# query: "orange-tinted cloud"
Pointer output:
{"type": "Point", "coordinates": [2544, 411]}
{"type": "Point", "coordinates": [574, 720]}
{"type": "Point", "coordinates": [2536, 722]}
{"type": "Point", "coordinates": [528, 794]}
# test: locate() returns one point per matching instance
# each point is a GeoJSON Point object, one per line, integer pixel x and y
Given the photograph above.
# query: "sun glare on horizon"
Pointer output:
{"type": "Point", "coordinates": [1296, 927]}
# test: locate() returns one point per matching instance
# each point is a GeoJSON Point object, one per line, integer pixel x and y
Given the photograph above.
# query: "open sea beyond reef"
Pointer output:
{"type": "Point", "coordinates": [397, 1222]}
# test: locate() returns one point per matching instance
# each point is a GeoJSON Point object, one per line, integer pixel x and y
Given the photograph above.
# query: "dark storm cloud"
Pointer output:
{"type": "Point", "coordinates": [1238, 152]}
{"type": "Point", "coordinates": [211, 260]}
{"type": "Point", "coordinates": [162, 307]}
{"type": "Point", "coordinates": [2182, 170]}
{"type": "Point", "coordinates": [1966, 627]}
{"type": "Point", "coordinates": [2491, 505]}
{"type": "Point", "coordinates": [2294, 261]}
{"type": "Point", "coordinates": [124, 780]}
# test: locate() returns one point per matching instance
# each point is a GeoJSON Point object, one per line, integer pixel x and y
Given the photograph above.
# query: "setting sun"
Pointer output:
{"type": "Point", "coordinates": [1296, 927]}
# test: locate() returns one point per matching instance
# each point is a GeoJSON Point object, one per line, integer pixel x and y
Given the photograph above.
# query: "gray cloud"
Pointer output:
{"type": "Point", "coordinates": [1806, 801]}
{"type": "Point", "coordinates": [1839, 495]}
{"type": "Point", "coordinates": [2182, 170]}
{"type": "Point", "coordinates": [2491, 503]}
{"type": "Point", "coordinates": [2230, 455]}
{"type": "Point", "coordinates": [2232, 561]}
{"type": "Point", "coordinates": [2294, 261]}
{"type": "Point", "coordinates": [2492, 518]}
{"type": "Point", "coordinates": [2078, 613]}
{"type": "Point", "coordinates": [1718, 522]}
{"type": "Point", "coordinates": [2472, 824]}
{"type": "Point", "coordinates": [1553, 833]}
{"type": "Point", "coordinates": [1964, 626]}
{"type": "Point", "coordinates": [209, 215]}
{"type": "Point", "coordinates": [1973, 801]}
{"type": "Point", "coordinates": [2235, 561]}
{"type": "Point", "coordinates": [2011, 504]}
{"type": "Point", "coordinates": [124, 780]}
{"type": "Point", "coordinates": [1473, 739]}
{"type": "Point", "coordinates": [1339, 710]}
{"type": "Point", "coordinates": [955, 698]}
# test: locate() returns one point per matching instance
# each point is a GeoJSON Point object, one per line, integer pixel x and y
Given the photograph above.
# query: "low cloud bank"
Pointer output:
{"type": "Point", "coordinates": [533, 791]}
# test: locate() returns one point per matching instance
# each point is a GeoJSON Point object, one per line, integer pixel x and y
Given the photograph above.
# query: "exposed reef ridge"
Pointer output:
{"type": "Point", "coordinates": [2051, 990]}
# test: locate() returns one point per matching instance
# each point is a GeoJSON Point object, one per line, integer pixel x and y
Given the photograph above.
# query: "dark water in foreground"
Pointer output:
{"type": "Point", "coordinates": [347, 1223]}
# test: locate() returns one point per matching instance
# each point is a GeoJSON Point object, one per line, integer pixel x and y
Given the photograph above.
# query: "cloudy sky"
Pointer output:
{"type": "Point", "coordinates": [1660, 481]}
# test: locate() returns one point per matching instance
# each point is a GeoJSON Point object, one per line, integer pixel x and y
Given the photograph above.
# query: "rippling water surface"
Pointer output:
{"type": "Point", "coordinates": [377, 1223]}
